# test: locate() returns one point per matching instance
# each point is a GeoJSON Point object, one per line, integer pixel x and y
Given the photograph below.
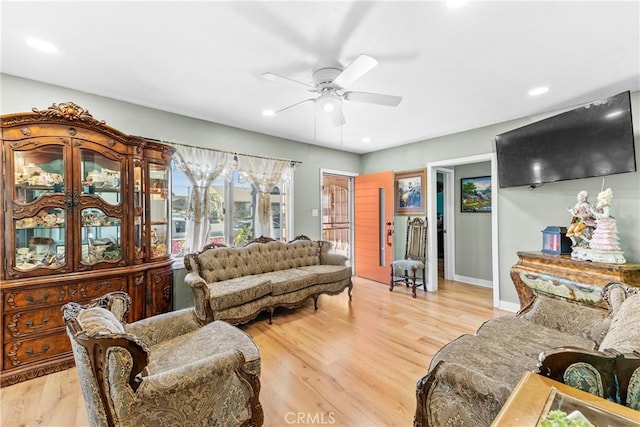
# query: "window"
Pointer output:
{"type": "Point", "coordinates": [241, 200]}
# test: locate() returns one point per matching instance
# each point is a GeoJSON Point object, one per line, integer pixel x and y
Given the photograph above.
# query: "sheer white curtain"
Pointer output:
{"type": "Point", "coordinates": [202, 166]}
{"type": "Point", "coordinates": [264, 174]}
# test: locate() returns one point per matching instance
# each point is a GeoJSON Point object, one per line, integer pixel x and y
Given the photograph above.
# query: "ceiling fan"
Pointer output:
{"type": "Point", "coordinates": [330, 83]}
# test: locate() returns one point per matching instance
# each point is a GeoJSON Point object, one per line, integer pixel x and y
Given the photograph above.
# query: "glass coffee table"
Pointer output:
{"type": "Point", "coordinates": [535, 396]}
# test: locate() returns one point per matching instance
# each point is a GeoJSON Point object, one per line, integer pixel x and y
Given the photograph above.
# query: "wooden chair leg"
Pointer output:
{"type": "Point", "coordinates": [413, 288]}
{"type": "Point", "coordinates": [391, 282]}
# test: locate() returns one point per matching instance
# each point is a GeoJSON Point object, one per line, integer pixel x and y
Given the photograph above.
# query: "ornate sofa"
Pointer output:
{"type": "Point", "coordinates": [470, 378]}
{"type": "Point", "coordinates": [164, 370]}
{"type": "Point", "coordinates": [237, 284]}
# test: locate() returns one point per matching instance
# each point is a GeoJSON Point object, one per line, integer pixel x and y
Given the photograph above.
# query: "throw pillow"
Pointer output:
{"type": "Point", "coordinates": [98, 320]}
{"type": "Point", "coordinates": [624, 334]}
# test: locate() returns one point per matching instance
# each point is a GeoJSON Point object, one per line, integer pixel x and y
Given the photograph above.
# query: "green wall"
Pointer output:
{"type": "Point", "coordinates": [20, 95]}
{"type": "Point", "coordinates": [523, 213]}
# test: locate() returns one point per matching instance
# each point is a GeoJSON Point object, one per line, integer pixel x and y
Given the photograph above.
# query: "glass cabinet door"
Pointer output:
{"type": "Point", "coordinates": [101, 237]}
{"type": "Point", "coordinates": [138, 210]}
{"type": "Point", "coordinates": [40, 240]}
{"type": "Point", "coordinates": [100, 208]}
{"type": "Point", "coordinates": [159, 210]}
{"type": "Point", "coordinates": [38, 173]}
{"type": "Point", "coordinates": [39, 209]}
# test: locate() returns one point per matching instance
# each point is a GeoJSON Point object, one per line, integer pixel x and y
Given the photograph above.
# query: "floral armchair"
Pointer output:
{"type": "Point", "coordinates": [165, 370]}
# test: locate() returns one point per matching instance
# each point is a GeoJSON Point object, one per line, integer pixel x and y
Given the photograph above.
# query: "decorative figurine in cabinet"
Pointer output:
{"type": "Point", "coordinates": [85, 212]}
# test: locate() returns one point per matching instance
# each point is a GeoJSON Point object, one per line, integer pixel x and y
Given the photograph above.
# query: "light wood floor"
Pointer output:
{"type": "Point", "coordinates": [348, 364]}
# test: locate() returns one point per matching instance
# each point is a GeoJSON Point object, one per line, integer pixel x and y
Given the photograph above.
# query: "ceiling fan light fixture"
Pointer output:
{"type": "Point", "coordinates": [329, 103]}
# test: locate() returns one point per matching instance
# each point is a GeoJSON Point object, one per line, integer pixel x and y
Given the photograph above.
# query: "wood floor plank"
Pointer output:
{"type": "Point", "coordinates": [348, 364]}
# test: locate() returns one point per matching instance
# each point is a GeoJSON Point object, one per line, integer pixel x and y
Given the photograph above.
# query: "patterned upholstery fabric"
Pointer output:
{"type": "Point", "coordinates": [570, 317]}
{"type": "Point", "coordinates": [232, 292]}
{"type": "Point", "coordinates": [471, 377]}
{"type": "Point", "coordinates": [407, 264]}
{"type": "Point", "coordinates": [291, 280]}
{"type": "Point", "coordinates": [98, 320]}
{"type": "Point", "coordinates": [328, 273]}
{"type": "Point", "coordinates": [622, 336]}
{"type": "Point", "coordinates": [198, 344]}
{"type": "Point", "coordinates": [236, 284]}
{"type": "Point", "coordinates": [194, 375]}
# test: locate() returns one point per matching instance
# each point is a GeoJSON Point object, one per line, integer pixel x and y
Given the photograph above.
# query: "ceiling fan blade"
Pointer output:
{"type": "Point", "coordinates": [276, 77]}
{"type": "Point", "coordinates": [337, 117]}
{"type": "Point", "coordinates": [294, 105]}
{"type": "Point", "coordinates": [373, 98]}
{"type": "Point", "coordinates": [358, 68]}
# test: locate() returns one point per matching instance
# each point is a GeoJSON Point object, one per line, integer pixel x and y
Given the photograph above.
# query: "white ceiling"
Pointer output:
{"type": "Point", "coordinates": [456, 69]}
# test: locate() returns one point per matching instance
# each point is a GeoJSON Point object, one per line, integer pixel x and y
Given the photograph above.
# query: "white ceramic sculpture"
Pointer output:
{"type": "Point", "coordinates": [604, 245]}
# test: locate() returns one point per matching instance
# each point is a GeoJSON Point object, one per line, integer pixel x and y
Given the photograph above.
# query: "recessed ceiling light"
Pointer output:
{"type": "Point", "coordinates": [366, 140]}
{"type": "Point", "coordinates": [456, 3]}
{"type": "Point", "coordinates": [41, 45]}
{"type": "Point", "coordinates": [268, 113]}
{"type": "Point", "coordinates": [539, 91]}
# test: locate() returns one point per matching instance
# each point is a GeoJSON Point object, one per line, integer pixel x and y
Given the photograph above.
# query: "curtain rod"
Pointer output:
{"type": "Point", "coordinates": [297, 162]}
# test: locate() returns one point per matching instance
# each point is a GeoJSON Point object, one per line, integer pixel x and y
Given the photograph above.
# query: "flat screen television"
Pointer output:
{"type": "Point", "coordinates": [595, 139]}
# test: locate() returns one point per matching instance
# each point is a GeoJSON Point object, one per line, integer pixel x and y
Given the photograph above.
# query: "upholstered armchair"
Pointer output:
{"type": "Point", "coordinates": [165, 370]}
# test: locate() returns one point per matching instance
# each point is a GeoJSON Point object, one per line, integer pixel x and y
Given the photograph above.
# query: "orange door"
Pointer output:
{"type": "Point", "coordinates": [374, 225]}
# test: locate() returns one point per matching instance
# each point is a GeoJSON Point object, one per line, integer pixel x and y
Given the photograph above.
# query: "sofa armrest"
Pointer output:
{"type": "Point", "coordinates": [333, 259]}
{"type": "Point", "coordinates": [327, 258]}
{"type": "Point", "coordinates": [201, 296]}
{"type": "Point", "coordinates": [210, 369]}
{"type": "Point", "coordinates": [205, 387]}
{"type": "Point", "coordinates": [162, 327]}
{"type": "Point", "coordinates": [457, 394]}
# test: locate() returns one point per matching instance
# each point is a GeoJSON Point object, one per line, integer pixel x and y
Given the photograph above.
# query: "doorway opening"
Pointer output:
{"type": "Point", "coordinates": [446, 169]}
{"type": "Point", "coordinates": [337, 211]}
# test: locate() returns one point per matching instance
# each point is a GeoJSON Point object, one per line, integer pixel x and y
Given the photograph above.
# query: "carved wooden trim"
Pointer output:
{"type": "Point", "coordinates": [29, 374]}
{"type": "Point", "coordinates": [69, 111]}
{"type": "Point", "coordinates": [13, 325]}
{"type": "Point", "coordinates": [261, 239]}
{"type": "Point", "coordinates": [257, 414]}
{"type": "Point", "coordinates": [97, 345]}
{"type": "Point", "coordinates": [421, 418]}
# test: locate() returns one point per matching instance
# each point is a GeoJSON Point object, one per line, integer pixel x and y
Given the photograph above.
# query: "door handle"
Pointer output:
{"type": "Point", "coordinates": [390, 237]}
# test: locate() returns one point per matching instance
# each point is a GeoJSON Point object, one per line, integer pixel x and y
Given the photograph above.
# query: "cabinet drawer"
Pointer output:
{"type": "Point", "coordinates": [97, 288]}
{"type": "Point", "coordinates": [34, 297]}
{"type": "Point", "coordinates": [26, 351]}
{"type": "Point", "coordinates": [26, 323]}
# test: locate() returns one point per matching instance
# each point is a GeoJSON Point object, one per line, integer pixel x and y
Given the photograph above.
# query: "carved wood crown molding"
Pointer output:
{"type": "Point", "coordinates": [69, 111]}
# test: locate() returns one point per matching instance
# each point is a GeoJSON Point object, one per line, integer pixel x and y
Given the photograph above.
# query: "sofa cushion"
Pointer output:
{"type": "Point", "coordinates": [98, 320]}
{"type": "Point", "coordinates": [529, 338]}
{"type": "Point", "coordinates": [291, 280]}
{"type": "Point", "coordinates": [211, 339]}
{"type": "Point", "coordinates": [328, 273]}
{"type": "Point", "coordinates": [232, 292]}
{"type": "Point", "coordinates": [624, 334]}
{"type": "Point", "coordinates": [566, 316]}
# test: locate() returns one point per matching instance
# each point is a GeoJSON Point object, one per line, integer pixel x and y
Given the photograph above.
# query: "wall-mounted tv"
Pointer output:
{"type": "Point", "coordinates": [592, 140]}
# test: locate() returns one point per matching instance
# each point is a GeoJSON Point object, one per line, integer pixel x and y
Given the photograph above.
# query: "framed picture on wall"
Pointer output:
{"type": "Point", "coordinates": [410, 192]}
{"type": "Point", "coordinates": [475, 194]}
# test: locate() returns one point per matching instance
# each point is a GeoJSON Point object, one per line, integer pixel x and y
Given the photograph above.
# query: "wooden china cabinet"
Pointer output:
{"type": "Point", "coordinates": [85, 211]}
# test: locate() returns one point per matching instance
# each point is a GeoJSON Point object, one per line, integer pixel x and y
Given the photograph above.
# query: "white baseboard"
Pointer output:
{"type": "Point", "coordinates": [509, 306]}
{"type": "Point", "coordinates": [473, 281]}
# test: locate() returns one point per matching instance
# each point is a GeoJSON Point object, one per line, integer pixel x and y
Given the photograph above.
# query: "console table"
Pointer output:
{"type": "Point", "coordinates": [562, 276]}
